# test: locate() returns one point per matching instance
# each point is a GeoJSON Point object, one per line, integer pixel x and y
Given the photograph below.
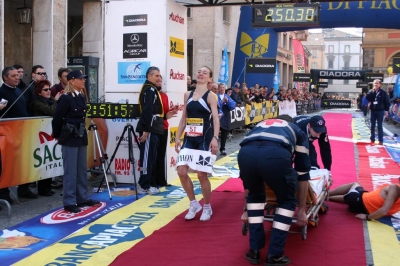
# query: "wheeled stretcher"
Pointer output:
{"type": "Point", "coordinates": [318, 192]}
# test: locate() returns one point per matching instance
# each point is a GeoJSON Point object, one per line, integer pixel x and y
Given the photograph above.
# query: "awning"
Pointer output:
{"type": "Point", "coordinates": [390, 80]}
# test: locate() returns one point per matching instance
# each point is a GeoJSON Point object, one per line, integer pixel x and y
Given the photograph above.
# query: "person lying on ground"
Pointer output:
{"type": "Point", "coordinates": [383, 201]}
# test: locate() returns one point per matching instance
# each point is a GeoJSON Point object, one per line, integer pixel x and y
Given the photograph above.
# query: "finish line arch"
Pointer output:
{"type": "Point", "coordinates": [263, 42]}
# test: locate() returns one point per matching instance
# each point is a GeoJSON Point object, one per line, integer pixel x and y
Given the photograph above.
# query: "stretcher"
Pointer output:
{"type": "Point", "coordinates": [318, 191]}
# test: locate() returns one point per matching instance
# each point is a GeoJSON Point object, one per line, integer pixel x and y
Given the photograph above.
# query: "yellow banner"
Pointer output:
{"type": "Point", "coordinates": [260, 111]}
{"type": "Point", "coordinates": [29, 153]}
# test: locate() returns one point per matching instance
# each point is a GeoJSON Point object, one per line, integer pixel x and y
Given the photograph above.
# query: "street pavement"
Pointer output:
{"type": "Point", "coordinates": [24, 209]}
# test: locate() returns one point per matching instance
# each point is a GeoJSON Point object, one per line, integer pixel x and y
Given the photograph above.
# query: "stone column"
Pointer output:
{"type": "Point", "coordinates": [93, 36]}
{"type": "Point", "coordinates": [49, 33]}
{"type": "Point", "coordinates": [1, 34]}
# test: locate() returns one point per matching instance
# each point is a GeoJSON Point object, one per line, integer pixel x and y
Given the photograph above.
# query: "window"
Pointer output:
{"type": "Point", "coordinates": [330, 64]}
{"type": "Point", "coordinates": [314, 65]}
{"type": "Point", "coordinates": [331, 50]}
{"type": "Point", "coordinates": [347, 49]}
{"type": "Point", "coordinates": [290, 44]}
{"type": "Point", "coordinates": [226, 13]}
{"type": "Point", "coordinates": [314, 53]}
{"type": "Point", "coordinates": [189, 12]}
{"type": "Point", "coordinates": [284, 39]}
{"type": "Point", "coordinates": [346, 82]}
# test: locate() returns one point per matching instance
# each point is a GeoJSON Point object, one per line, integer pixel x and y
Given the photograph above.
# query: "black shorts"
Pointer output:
{"type": "Point", "coordinates": [354, 200]}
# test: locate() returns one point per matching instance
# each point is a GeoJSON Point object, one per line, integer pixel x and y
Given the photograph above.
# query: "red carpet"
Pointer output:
{"type": "Point", "coordinates": [338, 240]}
{"type": "Point", "coordinates": [231, 185]}
{"type": "Point", "coordinates": [376, 167]}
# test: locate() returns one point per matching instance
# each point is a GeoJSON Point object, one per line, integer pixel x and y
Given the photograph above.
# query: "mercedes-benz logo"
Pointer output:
{"type": "Point", "coordinates": [134, 38]}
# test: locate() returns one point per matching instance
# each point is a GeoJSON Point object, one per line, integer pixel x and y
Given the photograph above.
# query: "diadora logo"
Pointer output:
{"type": "Point", "coordinates": [176, 75]}
{"type": "Point", "coordinates": [176, 18]}
{"type": "Point", "coordinates": [204, 161]}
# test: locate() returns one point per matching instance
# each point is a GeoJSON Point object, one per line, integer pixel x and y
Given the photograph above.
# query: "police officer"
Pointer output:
{"type": "Point", "coordinates": [266, 155]}
{"type": "Point", "coordinates": [315, 128]}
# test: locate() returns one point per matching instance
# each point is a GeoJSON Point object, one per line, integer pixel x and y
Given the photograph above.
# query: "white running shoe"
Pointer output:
{"type": "Point", "coordinates": [192, 211]}
{"type": "Point", "coordinates": [141, 191]}
{"type": "Point", "coordinates": [153, 190]}
{"type": "Point", "coordinates": [206, 215]}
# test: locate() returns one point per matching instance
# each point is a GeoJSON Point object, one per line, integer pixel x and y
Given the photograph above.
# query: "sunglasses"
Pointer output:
{"type": "Point", "coordinates": [41, 73]}
{"type": "Point", "coordinates": [46, 89]}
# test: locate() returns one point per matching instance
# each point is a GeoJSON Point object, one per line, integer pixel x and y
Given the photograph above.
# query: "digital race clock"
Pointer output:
{"type": "Point", "coordinates": [285, 15]}
{"type": "Point", "coordinates": [112, 110]}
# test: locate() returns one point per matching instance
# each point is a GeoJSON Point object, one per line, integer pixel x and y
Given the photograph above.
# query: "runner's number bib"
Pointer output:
{"type": "Point", "coordinates": [194, 127]}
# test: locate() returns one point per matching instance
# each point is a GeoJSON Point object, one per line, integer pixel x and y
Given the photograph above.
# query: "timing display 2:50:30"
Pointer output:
{"type": "Point", "coordinates": [285, 15]}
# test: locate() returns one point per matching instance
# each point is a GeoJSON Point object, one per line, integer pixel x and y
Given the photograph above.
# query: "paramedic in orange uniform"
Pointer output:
{"type": "Point", "coordinates": [383, 201]}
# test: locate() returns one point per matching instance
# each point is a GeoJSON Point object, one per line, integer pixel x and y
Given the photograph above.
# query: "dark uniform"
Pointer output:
{"type": "Point", "coordinates": [379, 104]}
{"type": "Point", "coordinates": [71, 108]}
{"type": "Point", "coordinates": [266, 155]}
{"type": "Point", "coordinates": [152, 121]}
{"type": "Point", "coordinates": [302, 122]}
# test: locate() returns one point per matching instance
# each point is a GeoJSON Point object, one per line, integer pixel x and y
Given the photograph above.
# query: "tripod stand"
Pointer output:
{"type": "Point", "coordinates": [131, 132]}
{"type": "Point", "coordinates": [103, 159]}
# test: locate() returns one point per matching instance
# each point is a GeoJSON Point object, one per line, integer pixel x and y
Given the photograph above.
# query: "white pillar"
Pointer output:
{"type": "Point", "coordinates": [49, 32]}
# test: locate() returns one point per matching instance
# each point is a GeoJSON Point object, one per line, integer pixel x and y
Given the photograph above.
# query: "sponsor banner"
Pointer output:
{"type": "Point", "coordinates": [287, 108]}
{"type": "Point", "coordinates": [27, 158]}
{"type": "Point", "coordinates": [394, 111]}
{"type": "Point", "coordinates": [176, 75]}
{"type": "Point", "coordinates": [176, 18]}
{"type": "Point", "coordinates": [260, 111]}
{"type": "Point", "coordinates": [326, 103]}
{"type": "Point", "coordinates": [299, 62]}
{"type": "Point", "coordinates": [134, 45]}
{"type": "Point", "coordinates": [177, 47]}
{"type": "Point", "coordinates": [197, 160]}
{"type": "Point", "coordinates": [261, 65]}
{"type": "Point", "coordinates": [302, 77]}
{"type": "Point", "coordinates": [121, 165]}
{"type": "Point", "coordinates": [237, 117]}
{"type": "Point", "coordinates": [362, 84]}
{"type": "Point", "coordinates": [396, 65]}
{"type": "Point", "coordinates": [173, 136]}
{"type": "Point", "coordinates": [135, 20]}
{"type": "Point", "coordinates": [99, 242]}
{"type": "Point", "coordinates": [369, 77]}
{"type": "Point", "coordinates": [322, 84]}
{"type": "Point", "coordinates": [392, 145]}
{"type": "Point", "coordinates": [132, 72]}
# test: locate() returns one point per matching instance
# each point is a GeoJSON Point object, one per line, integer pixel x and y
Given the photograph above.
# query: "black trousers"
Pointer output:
{"type": "Point", "coordinates": [159, 174]}
{"type": "Point", "coordinates": [224, 136]}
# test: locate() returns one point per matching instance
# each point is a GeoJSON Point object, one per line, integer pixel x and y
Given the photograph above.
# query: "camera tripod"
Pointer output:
{"type": "Point", "coordinates": [131, 132]}
{"type": "Point", "coordinates": [103, 157]}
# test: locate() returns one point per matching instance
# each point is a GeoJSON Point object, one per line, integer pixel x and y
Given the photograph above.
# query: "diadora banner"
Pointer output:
{"type": "Point", "coordinates": [317, 74]}
{"type": "Point", "coordinates": [30, 157]}
{"type": "Point", "coordinates": [336, 103]}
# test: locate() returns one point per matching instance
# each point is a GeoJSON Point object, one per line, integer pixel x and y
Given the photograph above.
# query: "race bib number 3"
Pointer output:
{"type": "Point", "coordinates": [194, 127]}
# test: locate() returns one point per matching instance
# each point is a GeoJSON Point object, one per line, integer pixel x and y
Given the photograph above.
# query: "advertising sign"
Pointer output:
{"type": "Point", "coordinates": [261, 65]}
{"type": "Point", "coordinates": [132, 72]}
{"type": "Point", "coordinates": [177, 47]}
{"type": "Point", "coordinates": [134, 45]}
{"type": "Point", "coordinates": [303, 77]}
{"type": "Point", "coordinates": [135, 20]}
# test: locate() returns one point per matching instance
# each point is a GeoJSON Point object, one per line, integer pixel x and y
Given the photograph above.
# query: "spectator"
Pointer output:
{"type": "Point", "coordinates": [227, 105]}
{"type": "Point", "coordinates": [60, 87]}
{"type": "Point", "coordinates": [244, 95]}
{"type": "Point", "coordinates": [229, 92]}
{"type": "Point", "coordinates": [214, 87]}
{"type": "Point", "coordinates": [150, 128]}
{"type": "Point", "coordinates": [38, 73]}
{"type": "Point", "coordinates": [364, 104]}
{"type": "Point", "coordinates": [159, 175]}
{"type": "Point", "coordinates": [20, 70]}
{"type": "Point", "coordinates": [44, 105]}
{"type": "Point", "coordinates": [236, 96]}
{"type": "Point", "coordinates": [199, 105]}
{"type": "Point", "coordinates": [15, 108]}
